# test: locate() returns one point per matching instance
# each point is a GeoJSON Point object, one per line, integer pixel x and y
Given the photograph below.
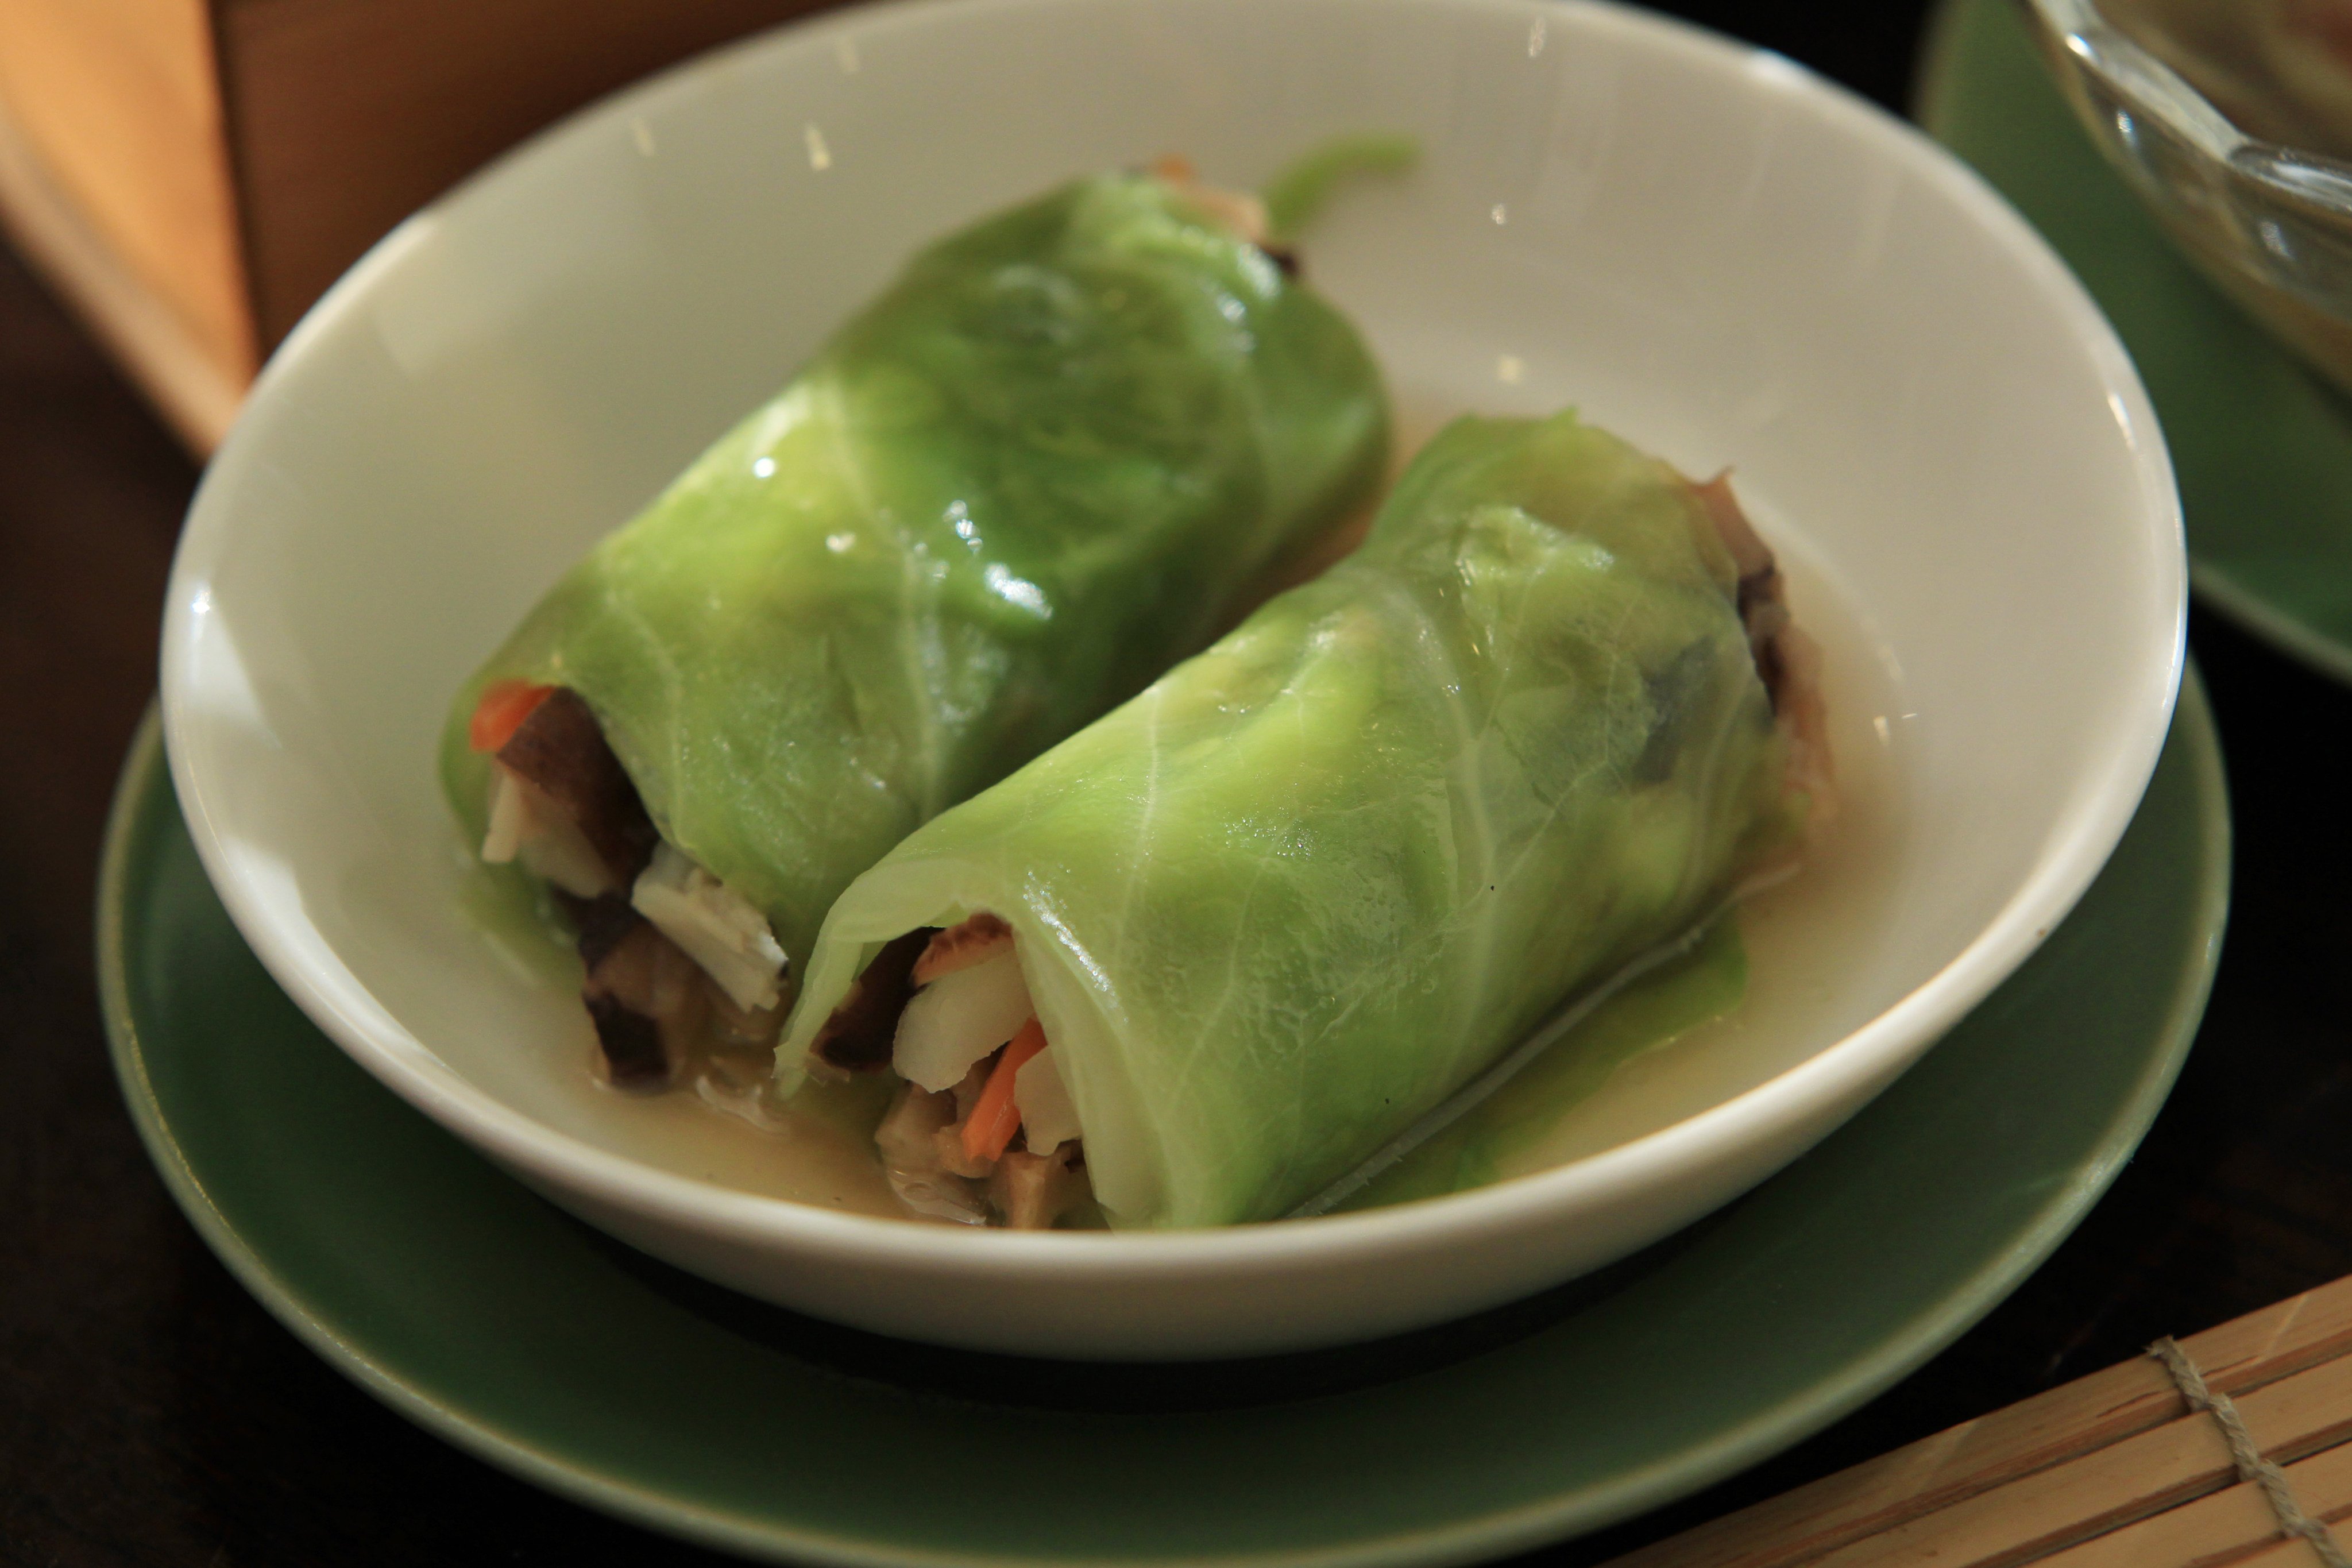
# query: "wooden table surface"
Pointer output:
{"type": "Point", "coordinates": [151, 1413]}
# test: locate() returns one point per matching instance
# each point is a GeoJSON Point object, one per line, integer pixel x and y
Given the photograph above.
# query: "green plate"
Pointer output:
{"type": "Point", "coordinates": [2263, 445]}
{"type": "Point", "coordinates": [469, 1305]}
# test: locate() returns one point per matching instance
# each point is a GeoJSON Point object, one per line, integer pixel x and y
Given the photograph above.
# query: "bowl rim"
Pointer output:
{"type": "Point", "coordinates": [2104, 798]}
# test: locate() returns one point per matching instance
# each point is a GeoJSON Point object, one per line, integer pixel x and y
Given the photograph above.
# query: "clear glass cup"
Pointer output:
{"type": "Point", "coordinates": [2253, 195]}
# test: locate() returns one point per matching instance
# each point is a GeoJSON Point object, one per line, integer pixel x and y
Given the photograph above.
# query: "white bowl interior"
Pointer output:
{"type": "Point", "coordinates": [1700, 246]}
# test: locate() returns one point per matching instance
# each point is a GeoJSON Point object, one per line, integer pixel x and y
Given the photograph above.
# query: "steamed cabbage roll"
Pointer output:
{"type": "Point", "coordinates": [1039, 469]}
{"type": "Point", "coordinates": [1207, 955]}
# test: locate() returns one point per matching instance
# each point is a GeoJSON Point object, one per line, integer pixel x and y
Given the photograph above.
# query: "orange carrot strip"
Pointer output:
{"type": "Point", "coordinates": [994, 1118]}
{"type": "Point", "coordinates": [504, 706]}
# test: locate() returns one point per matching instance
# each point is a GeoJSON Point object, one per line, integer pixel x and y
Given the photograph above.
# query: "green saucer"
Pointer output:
{"type": "Point", "coordinates": [469, 1305]}
{"type": "Point", "coordinates": [2262, 447]}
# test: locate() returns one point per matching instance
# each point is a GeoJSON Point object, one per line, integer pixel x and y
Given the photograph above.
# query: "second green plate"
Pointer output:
{"type": "Point", "coordinates": [2262, 447]}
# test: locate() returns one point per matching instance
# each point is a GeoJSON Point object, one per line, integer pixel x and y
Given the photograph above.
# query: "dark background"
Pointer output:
{"type": "Point", "coordinates": [152, 1413]}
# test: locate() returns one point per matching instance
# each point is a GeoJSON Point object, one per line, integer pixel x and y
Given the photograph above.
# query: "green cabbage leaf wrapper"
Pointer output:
{"type": "Point", "coordinates": [1044, 466]}
{"type": "Point", "coordinates": [1294, 895]}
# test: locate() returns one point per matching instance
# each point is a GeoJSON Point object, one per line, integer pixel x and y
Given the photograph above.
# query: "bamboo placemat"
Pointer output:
{"type": "Point", "coordinates": [2120, 1469]}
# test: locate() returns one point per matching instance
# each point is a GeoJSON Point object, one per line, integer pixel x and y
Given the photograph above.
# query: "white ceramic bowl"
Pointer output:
{"type": "Point", "coordinates": [1702, 246]}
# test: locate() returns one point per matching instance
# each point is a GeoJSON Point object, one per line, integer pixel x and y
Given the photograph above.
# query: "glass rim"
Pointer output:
{"type": "Point", "coordinates": [2136, 76]}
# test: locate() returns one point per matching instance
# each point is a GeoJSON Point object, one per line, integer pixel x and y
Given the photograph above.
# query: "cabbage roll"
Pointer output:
{"type": "Point", "coordinates": [1213, 951]}
{"type": "Point", "coordinates": [1051, 459]}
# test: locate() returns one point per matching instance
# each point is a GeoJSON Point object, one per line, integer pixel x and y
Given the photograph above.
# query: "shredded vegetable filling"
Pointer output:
{"type": "Point", "coordinates": [983, 1129]}
{"type": "Point", "coordinates": [680, 966]}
